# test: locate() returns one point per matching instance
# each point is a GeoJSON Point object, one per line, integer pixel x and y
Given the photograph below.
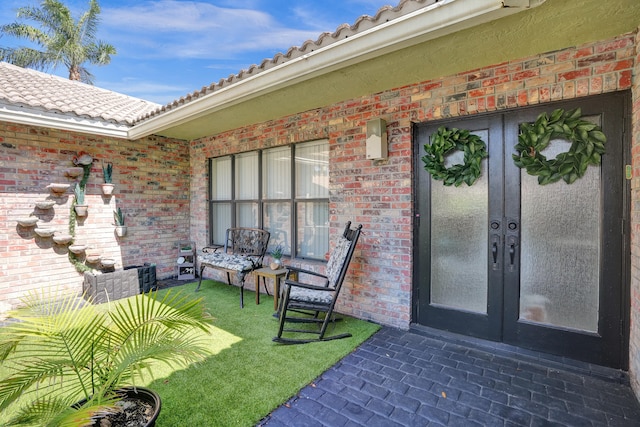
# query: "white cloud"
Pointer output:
{"type": "Point", "coordinates": [154, 92]}
{"type": "Point", "coordinates": [195, 30]}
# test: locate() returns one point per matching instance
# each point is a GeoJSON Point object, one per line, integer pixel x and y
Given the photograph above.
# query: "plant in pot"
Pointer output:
{"type": "Point", "coordinates": [276, 257]}
{"type": "Point", "coordinates": [79, 206]}
{"type": "Point", "coordinates": [69, 363]}
{"type": "Point", "coordinates": [107, 175]}
{"type": "Point", "coordinates": [121, 228]}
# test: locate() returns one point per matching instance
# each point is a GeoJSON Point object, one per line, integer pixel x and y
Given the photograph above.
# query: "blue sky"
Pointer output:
{"type": "Point", "coordinates": [169, 48]}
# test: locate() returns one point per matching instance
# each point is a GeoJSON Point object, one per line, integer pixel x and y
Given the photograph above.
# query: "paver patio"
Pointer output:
{"type": "Point", "coordinates": [427, 377]}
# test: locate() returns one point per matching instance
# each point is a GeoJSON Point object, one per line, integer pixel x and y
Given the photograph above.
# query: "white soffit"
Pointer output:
{"type": "Point", "coordinates": [437, 20]}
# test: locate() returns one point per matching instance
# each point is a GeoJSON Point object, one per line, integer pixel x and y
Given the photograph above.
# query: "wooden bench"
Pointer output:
{"type": "Point", "coordinates": [243, 252]}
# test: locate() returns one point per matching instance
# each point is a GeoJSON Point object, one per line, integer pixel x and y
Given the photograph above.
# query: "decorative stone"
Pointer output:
{"type": "Point", "coordinates": [45, 204]}
{"type": "Point", "coordinates": [276, 264]}
{"type": "Point", "coordinates": [28, 222]}
{"type": "Point", "coordinates": [58, 188]}
{"type": "Point", "coordinates": [45, 231]}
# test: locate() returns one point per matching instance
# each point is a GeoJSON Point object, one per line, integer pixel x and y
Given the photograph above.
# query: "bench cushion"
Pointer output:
{"type": "Point", "coordinates": [239, 263]}
{"type": "Point", "coordinates": [310, 295]}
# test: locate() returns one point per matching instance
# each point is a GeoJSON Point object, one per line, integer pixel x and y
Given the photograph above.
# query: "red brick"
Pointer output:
{"type": "Point", "coordinates": [574, 75]}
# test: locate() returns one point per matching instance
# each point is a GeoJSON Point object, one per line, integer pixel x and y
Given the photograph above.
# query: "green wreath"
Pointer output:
{"type": "Point", "coordinates": [443, 142]}
{"type": "Point", "coordinates": [587, 146]}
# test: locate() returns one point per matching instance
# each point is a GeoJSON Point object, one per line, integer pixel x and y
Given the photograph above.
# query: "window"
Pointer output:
{"type": "Point", "coordinates": [284, 190]}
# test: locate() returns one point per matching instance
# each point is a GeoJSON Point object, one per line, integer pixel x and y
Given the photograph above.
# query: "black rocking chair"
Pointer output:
{"type": "Point", "coordinates": [305, 303]}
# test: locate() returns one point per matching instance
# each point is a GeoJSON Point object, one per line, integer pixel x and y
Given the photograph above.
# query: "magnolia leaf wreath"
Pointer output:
{"type": "Point", "coordinates": [587, 146]}
{"type": "Point", "coordinates": [444, 142]}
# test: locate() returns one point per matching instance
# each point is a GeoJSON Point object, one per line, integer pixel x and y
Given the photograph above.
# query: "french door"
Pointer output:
{"type": "Point", "coordinates": [542, 267]}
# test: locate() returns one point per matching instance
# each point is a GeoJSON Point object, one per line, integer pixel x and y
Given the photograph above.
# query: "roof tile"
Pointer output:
{"type": "Point", "coordinates": [26, 87]}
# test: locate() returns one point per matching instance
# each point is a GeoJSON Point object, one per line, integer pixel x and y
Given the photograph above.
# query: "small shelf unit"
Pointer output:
{"type": "Point", "coordinates": [186, 261]}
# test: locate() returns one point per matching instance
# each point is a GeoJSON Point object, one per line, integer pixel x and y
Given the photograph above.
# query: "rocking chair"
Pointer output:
{"type": "Point", "coordinates": [314, 303]}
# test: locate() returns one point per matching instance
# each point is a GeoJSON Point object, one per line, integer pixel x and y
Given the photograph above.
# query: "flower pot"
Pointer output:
{"type": "Point", "coordinates": [81, 210]}
{"type": "Point", "coordinates": [28, 222]}
{"type": "Point", "coordinates": [62, 239]}
{"type": "Point", "coordinates": [58, 189]}
{"type": "Point", "coordinates": [108, 262]}
{"type": "Point", "coordinates": [77, 249]}
{"type": "Point", "coordinates": [138, 396]}
{"type": "Point", "coordinates": [107, 189]}
{"type": "Point", "coordinates": [45, 231]}
{"type": "Point", "coordinates": [121, 230]}
{"type": "Point", "coordinates": [83, 159]}
{"type": "Point", "coordinates": [276, 264]}
{"type": "Point", "coordinates": [45, 204]}
{"type": "Point", "coordinates": [93, 258]}
{"type": "Point", "coordinates": [74, 172]}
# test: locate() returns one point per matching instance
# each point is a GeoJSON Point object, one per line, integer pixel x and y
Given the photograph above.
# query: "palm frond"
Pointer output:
{"type": "Point", "coordinates": [26, 32]}
{"type": "Point", "coordinates": [60, 346]}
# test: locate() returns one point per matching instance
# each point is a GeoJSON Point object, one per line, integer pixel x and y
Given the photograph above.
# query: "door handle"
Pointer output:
{"type": "Point", "coordinates": [495, 242]}
{"type": "Point", "coordinates": [512, 253]}
{"type": "Point", "coordinates": [512, 243]}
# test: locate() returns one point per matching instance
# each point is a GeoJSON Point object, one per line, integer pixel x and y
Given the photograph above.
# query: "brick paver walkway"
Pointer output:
{"type": "Point", "coordinates": [402, 378]}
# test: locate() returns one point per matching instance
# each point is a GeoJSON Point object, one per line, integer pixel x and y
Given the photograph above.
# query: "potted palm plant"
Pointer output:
{"type": "Point", "coordinates": [107, 176]}
{"type": "Point", "coordinates": [80, 207]}
{"type": "Point", "coordinates": [118, 218]}
{"type": "Point", "coordinates": [66, 362]}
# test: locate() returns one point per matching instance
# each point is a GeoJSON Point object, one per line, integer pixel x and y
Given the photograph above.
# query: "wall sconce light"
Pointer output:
{"type": "Point", "coordinates": [377, 140]}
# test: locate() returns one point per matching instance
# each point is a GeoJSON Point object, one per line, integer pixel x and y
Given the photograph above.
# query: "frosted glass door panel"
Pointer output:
{"type": "Point", "coordinates": [560, 256]}
{"type": "Point", "coordinates": [459, 218]}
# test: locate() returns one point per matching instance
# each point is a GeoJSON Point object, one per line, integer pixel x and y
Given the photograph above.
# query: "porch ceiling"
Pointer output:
{"type": "Point", "coordinates": [417, 47]}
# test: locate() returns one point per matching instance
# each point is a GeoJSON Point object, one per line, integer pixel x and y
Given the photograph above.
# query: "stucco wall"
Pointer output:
{"type": "Point", "coordinates": [379, 194]}
{"type": "Point", "coordinates": [151, 188]}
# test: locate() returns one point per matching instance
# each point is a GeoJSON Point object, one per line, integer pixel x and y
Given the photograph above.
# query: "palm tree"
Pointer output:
{"type": "Point", "coordinates": [62, 39]}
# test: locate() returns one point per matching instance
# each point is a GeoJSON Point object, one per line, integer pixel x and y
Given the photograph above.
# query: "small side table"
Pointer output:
{"type": "Point", "coordinates": [276, 275]}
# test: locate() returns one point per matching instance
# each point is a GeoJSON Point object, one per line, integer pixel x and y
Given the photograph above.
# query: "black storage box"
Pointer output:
{"type": "Point", "coordinates": [146, 276]}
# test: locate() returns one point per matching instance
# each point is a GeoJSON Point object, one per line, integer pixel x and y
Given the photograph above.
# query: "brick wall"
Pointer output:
{"type": "Point", "coordinates": [151, 188]}
{"type": "Point", "coordinates": [379, 194]}
{"type": "Point", "coordinates": [634, 345]}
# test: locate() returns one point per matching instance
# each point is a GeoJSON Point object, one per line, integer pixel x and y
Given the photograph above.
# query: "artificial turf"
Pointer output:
{"type": "Point", "coordinates": [248, 374]}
